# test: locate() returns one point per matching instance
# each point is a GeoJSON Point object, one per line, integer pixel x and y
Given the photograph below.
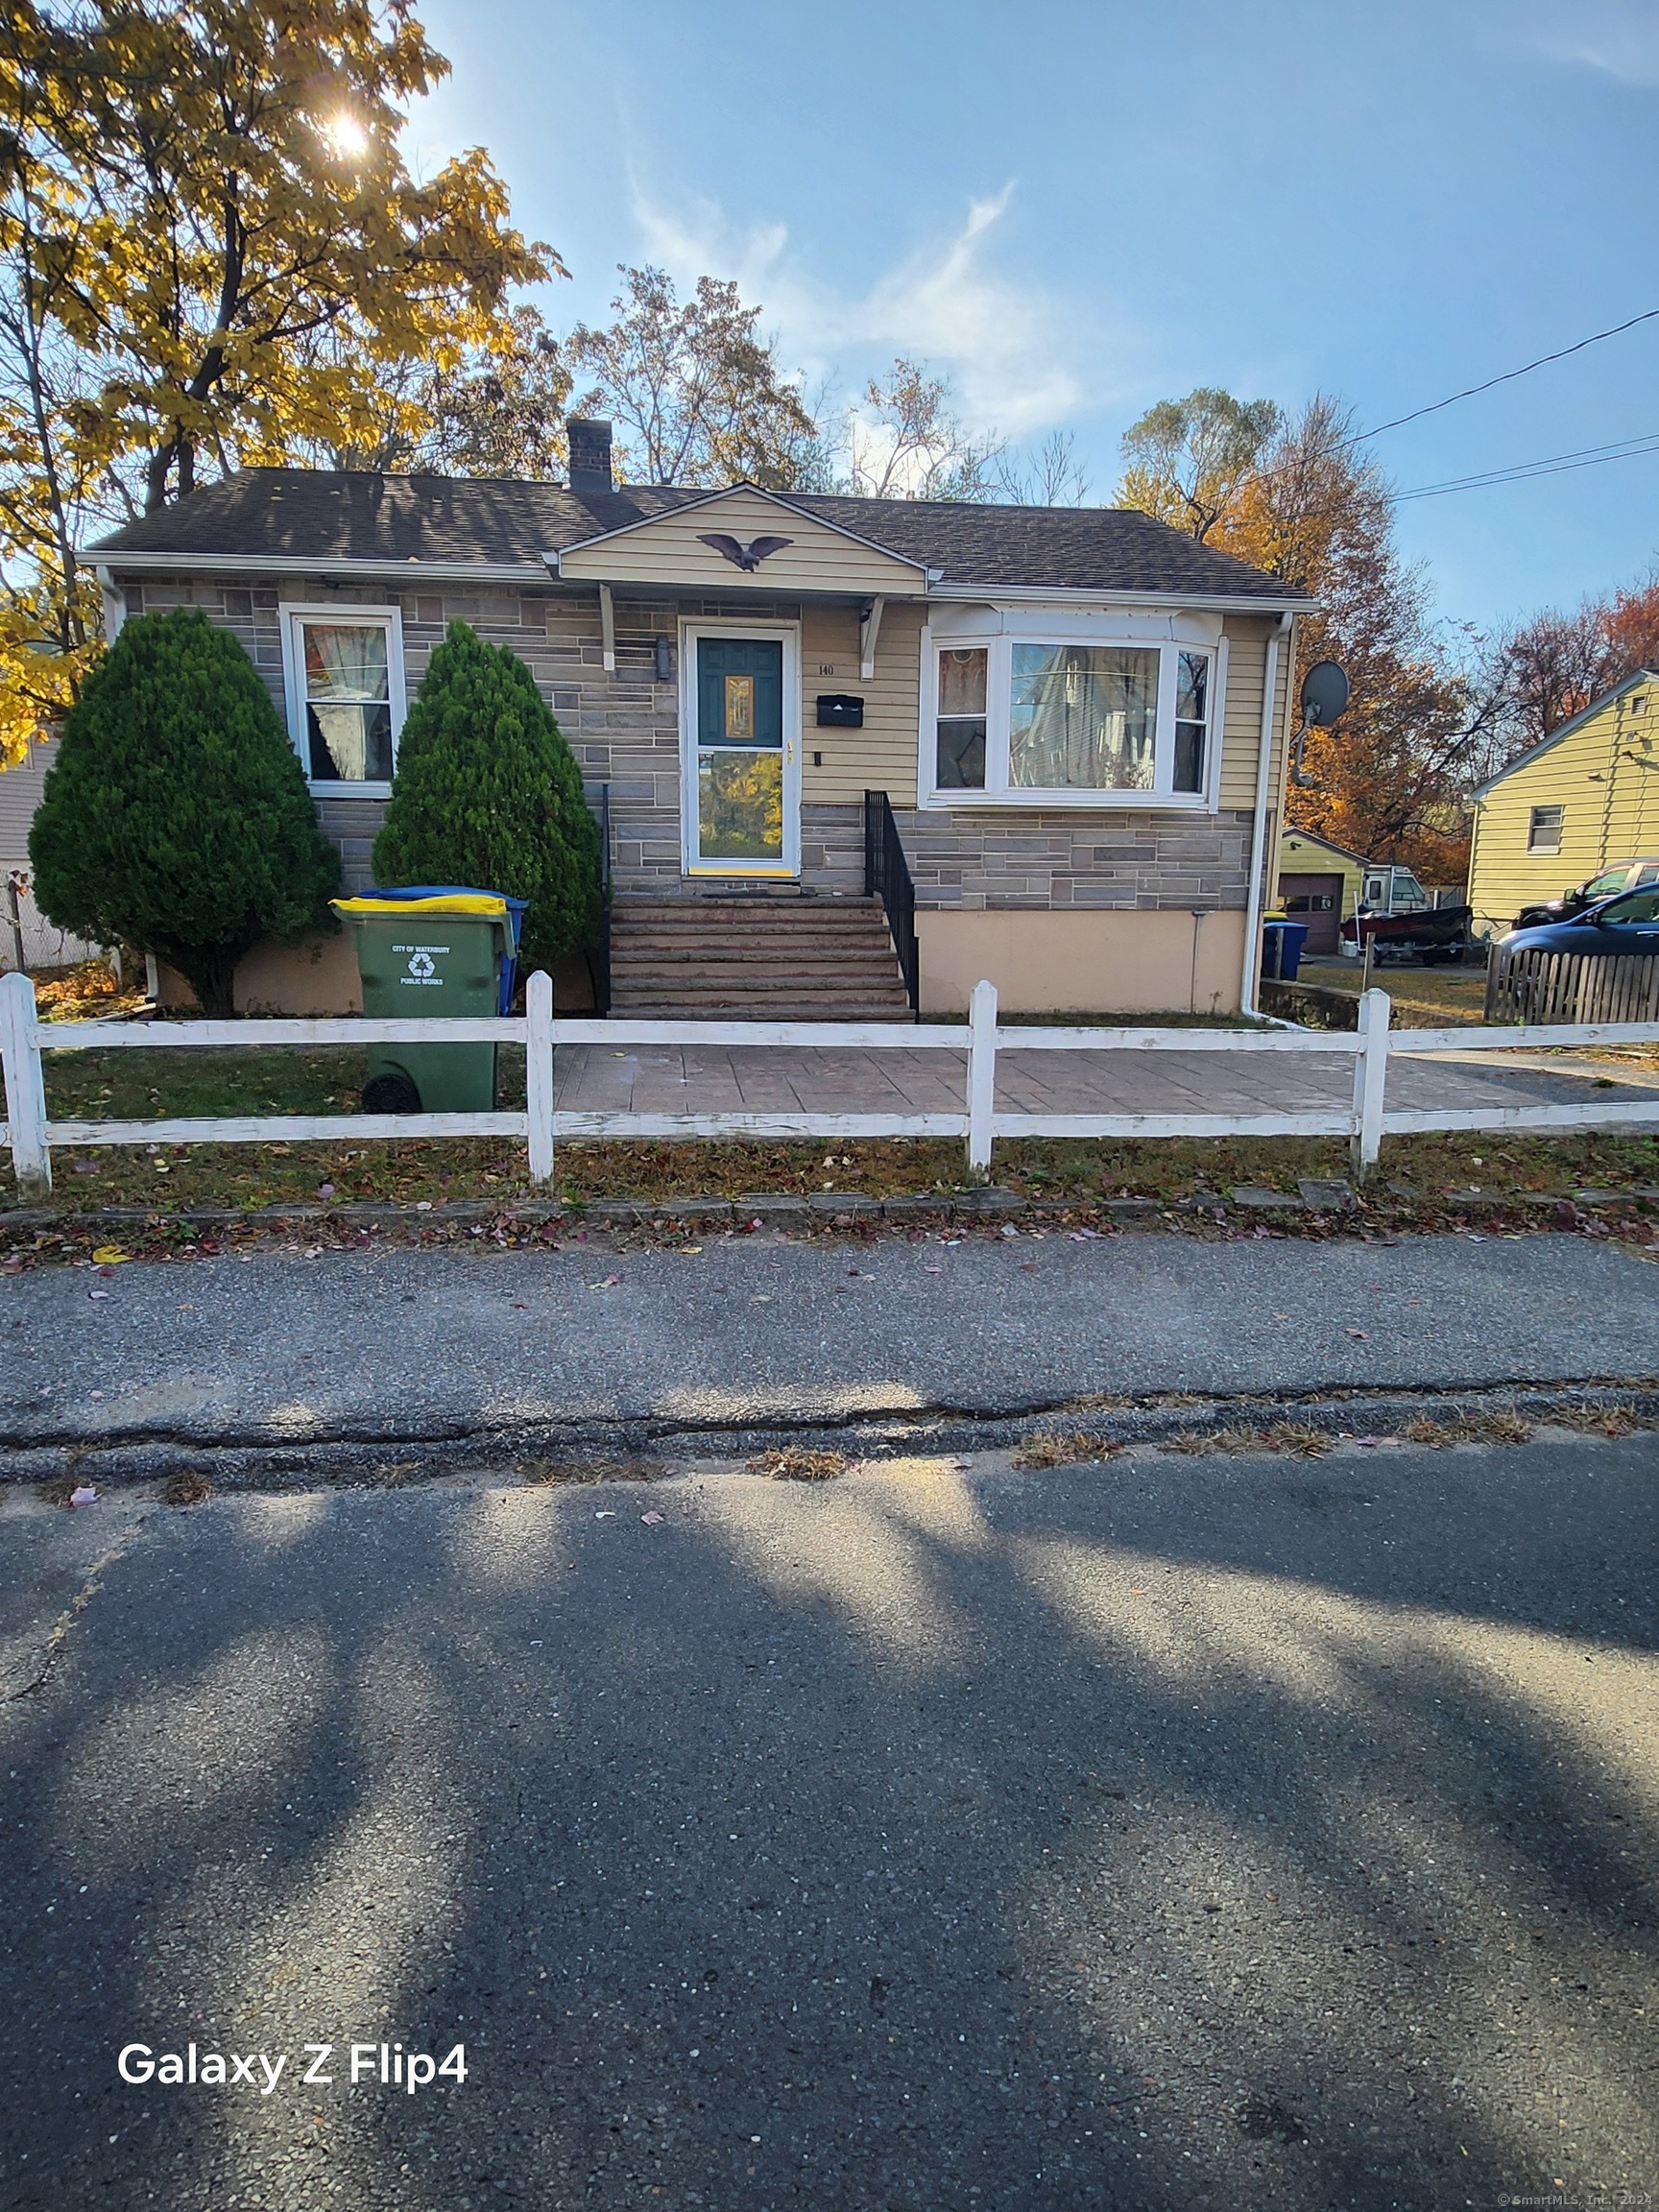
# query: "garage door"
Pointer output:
{"type": "Point", "coordinates": [1318, 901]}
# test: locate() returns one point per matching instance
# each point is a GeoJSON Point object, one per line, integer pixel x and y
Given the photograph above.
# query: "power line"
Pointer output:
{"type": "Point", "coordinates": [1508, 376]}
{"type": "Point", "coordinates": [1551, 465]}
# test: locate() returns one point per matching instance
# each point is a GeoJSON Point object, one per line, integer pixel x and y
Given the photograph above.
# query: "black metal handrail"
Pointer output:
{"type": "Point", "coordinates": [887, 878]}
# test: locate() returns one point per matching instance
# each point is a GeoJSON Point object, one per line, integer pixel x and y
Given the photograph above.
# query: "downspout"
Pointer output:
{"type": "Point", "coordinates": [1258, 826]}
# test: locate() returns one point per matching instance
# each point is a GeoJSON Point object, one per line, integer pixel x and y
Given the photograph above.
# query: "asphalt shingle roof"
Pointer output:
{"type": "Point", "coordinates": [313, 515]}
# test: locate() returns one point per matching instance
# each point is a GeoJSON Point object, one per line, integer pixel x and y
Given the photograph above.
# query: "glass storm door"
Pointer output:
{"type": "Point", "coordinates": [743, 806]}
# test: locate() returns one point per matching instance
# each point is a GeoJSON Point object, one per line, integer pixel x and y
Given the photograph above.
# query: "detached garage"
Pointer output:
{"type": "Point", "coordinates": [1319, 884]}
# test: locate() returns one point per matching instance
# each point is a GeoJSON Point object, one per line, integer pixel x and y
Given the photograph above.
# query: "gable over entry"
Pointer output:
{"type": "Point", "coordinates": [742, 540]}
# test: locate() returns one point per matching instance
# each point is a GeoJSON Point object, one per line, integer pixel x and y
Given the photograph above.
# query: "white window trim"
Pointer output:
{"type": "Point", "coordinates": [389, 618]}
{"type": "Point", "coordinates": [690, 862]}
{"type": "Point", "coordinates": [997, 641]}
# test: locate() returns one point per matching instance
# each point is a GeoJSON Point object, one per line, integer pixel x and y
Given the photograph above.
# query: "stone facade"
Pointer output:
{"type": "Point", "coordinates": [1030, 859]}
{"type": "Point", "coordinates": [623, 728]}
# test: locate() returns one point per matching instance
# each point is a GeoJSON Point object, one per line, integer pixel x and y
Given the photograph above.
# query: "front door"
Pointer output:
{"type": "Point", "coordinates": [742, 770]}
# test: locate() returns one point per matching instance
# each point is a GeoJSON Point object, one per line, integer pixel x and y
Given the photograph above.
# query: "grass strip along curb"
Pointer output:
{"type": "Point", "coordinates": [31, 1236]}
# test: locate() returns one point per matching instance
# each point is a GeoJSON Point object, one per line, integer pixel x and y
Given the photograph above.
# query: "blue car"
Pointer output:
{"type": "Point", "coordinates": [1627, 923]}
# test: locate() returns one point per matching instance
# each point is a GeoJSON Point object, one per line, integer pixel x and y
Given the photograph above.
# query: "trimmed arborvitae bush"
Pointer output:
{"type": "Point", "coordinates": [487, 793]}
{"type": "Point", "coordinates": [175, 817]}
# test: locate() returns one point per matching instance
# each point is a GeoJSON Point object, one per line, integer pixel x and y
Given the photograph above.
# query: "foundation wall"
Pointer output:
{"type": "Point", "coordinates": [1083, 963]}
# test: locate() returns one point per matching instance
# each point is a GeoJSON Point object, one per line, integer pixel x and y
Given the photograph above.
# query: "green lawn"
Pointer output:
{"type": "Point", "coordinates": [139, 1084]}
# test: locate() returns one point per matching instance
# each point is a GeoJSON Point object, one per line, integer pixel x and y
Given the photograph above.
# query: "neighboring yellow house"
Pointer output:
{"type": "Point", "coordinates": [1319, 884]}
{"type": "Point", "coordinates": [1582, 800]}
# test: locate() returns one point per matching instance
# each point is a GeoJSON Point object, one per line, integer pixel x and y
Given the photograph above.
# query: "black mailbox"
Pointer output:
{"type": "Point", "coordinates": [840, 711]}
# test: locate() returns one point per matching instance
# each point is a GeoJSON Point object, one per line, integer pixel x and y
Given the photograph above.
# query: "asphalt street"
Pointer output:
{"type": "Point", "coordinates": [431, 1344]}
{"type": "Point", "coordinates": [1163, 1834]}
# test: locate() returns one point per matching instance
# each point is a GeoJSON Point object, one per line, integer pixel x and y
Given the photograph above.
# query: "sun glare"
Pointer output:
{"type": "Point", "coordinates": [346, 136]}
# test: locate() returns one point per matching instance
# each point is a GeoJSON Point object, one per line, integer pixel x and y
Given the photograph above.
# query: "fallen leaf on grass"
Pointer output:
{"type": "Point", "coordinates": [110, 1256]}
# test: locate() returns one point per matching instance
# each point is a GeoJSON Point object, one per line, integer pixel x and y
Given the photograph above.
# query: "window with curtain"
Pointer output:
{"type": "Point", "coordinates": [346, 681]}
{"type": "Point", "coordinates": [1084, 717]}
{"type": "Point", "coordinates": [961, 733]}
{"type": "Point", "coordinates": [1014, 718]}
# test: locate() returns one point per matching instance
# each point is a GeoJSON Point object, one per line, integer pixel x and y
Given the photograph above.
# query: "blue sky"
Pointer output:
{"type": "Point", "coordinates": [1075, 210]}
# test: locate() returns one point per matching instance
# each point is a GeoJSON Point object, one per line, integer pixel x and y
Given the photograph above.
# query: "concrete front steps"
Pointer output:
{"type": "Point", "coordinates": [755, 956]}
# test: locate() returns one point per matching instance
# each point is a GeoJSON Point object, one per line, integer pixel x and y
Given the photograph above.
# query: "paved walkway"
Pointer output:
{"type": "Point", "coordinates": [670, 1079]}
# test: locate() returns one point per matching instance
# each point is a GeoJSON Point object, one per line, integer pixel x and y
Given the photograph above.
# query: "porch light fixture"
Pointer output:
{"type": "Point", "coordinates": [664, 661]}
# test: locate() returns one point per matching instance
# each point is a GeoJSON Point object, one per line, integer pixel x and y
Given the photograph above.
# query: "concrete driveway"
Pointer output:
{"type": "Point", "coordinates": [1163, 1835]}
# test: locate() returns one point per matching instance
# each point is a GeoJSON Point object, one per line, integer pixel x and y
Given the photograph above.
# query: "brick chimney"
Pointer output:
{"type": "Point", "coordinates": [589, 455]}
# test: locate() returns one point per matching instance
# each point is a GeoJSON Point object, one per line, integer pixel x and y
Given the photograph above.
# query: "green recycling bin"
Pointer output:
{"type": "Point", "coordinates": [438, 953]}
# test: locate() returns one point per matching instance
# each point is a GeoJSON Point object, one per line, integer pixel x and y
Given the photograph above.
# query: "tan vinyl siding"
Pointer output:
{"type": "Point", "coordinates": [1604, 777]}
{"type": "Point", "coordinates": [669, 551]}
{"type": "Point", "coordinates": [882, 756]}
{"type": "Point", "coordinates": [1247, 640]}
{"type": "Point", "coordinates": [1242, 730]}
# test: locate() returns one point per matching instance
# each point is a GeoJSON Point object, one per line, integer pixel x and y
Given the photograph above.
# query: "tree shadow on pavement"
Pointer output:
{"type": "Point", "coordinates": [1130, 1837]}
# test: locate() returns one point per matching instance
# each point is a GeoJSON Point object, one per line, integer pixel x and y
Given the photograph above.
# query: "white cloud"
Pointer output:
{"type": "Point", "coordinates": [1012, 351]}
{"type": "Point", "coordinates": [1615, 42]}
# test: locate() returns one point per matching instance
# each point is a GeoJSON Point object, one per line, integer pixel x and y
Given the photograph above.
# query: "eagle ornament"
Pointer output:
{"type": "Point", "coordinates": [745, 557]}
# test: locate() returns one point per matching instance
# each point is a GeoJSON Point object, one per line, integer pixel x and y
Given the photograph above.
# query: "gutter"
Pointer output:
{"type": "Point", "coordinates": [1258, 825]}
{"type": "Point", "coordinates": [1071, 595]}
{"type": "Point", "coordinates": [411, 571]}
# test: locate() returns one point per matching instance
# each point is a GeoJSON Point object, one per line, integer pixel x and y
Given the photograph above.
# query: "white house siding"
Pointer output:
{"type": "Point", "coordinates": [44, 944]}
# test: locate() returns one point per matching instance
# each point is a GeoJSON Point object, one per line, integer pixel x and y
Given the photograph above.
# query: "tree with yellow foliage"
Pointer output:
{"type": "Point", "coordinates": [213, 255]}
{"type": "Point", "coordinates": [1300, 498]}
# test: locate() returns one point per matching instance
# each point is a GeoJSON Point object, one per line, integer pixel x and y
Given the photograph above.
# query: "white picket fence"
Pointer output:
{"type": "Point", "coordinates": [1364, 1121]}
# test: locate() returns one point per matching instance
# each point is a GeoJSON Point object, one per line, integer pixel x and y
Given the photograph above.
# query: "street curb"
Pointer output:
{"type": "Point", "coordinates": [249, 1463]}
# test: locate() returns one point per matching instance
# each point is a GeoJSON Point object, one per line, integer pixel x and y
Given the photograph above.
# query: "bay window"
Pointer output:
{"type": "Point", "coordinates": [1024, 720]}
{"type": "Point", "coordinates": [344, 668]}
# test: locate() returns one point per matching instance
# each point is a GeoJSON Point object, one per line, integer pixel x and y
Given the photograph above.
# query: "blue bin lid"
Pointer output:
{"type": "Point", "coordinates": [515, 908]}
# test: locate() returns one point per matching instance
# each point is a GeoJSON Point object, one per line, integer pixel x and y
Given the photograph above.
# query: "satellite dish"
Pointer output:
{"type": "Point", "coordinates": [1324, 695]}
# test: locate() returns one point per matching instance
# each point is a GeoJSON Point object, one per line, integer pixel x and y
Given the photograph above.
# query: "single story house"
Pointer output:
{"type": "Point", "coordinates": [1321, 884]}
{"type": "Point", "coordinates": [1578, 805]}
{"type": "Point", "coordinates": [1057, 733]}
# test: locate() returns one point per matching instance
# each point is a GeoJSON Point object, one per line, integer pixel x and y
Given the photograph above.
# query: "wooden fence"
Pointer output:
{"type": "Point", "coordinates": [1363, 1120]}
{"type": "Point", "coordinates": [1524, 983]}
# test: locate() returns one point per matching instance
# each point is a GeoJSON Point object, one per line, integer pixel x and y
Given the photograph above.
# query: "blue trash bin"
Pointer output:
{"type": "Point", "coordinates": [1292, 936]}
{"type": "Point", "coordinates": [1272, 950]}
